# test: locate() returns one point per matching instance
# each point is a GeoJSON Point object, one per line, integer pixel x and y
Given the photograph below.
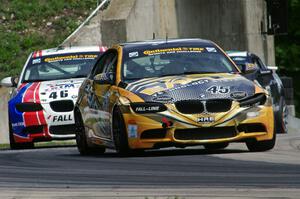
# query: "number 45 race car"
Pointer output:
{"type": "Point", "coordinates": [180, 93]}
{"type": "Point", "coordinates": [42, 101]}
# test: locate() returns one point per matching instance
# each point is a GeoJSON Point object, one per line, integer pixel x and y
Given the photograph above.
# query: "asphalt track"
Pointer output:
{"type": "Point", "coordinates": [189, 173]}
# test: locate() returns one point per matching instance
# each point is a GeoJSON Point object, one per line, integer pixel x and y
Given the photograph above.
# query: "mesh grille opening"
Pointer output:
{"type": "Point", "coordinates": [63, 129]}
{"type": "Point", "coordinates": [62, 105]}
{"type": "Point", "coordinates": [29, 107]}
{"type": "Point", "coordinates": [251, 128]}
{"type": "Point", "coordinates": [154, 134]}
{"type": "Point", "coordinates": [33, 129]}
{"type": "Point", "coordinates": [189, 106]}
{"type": "Point", "coordinates": [218, 105]}
{"type": "Point", "coordinates": [205, 133]}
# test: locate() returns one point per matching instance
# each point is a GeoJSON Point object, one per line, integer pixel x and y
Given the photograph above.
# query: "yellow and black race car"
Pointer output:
{"type": "Point", "coordinates": [162, 93]}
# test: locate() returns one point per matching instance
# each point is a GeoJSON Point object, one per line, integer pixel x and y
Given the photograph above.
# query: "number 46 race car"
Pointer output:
{"type": "Point", "coordinates": [183, 92]}
{"type": "Point", "coordinates": [42, 101]}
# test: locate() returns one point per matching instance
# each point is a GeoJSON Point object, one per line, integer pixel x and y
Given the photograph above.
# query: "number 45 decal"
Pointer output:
{"type": "Point", "coordinates": [63, 94]}
{"type": "Point", "coordinates": [218, 89]}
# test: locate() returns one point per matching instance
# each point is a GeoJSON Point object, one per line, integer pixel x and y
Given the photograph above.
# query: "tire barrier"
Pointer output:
{"type": "Point", "coordinates": [288, 90]}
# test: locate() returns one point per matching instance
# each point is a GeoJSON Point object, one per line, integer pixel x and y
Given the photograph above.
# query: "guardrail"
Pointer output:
{"type": "Point", "coordinates": [86, 21]}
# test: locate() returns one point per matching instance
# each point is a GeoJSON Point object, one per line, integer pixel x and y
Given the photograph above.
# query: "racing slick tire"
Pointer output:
{"type": "Point", "coordinates": [216, 146]}
{"type": "Point", "coordinates": [81, 140]}
{"type": "Point", "coordinates": [281, 118]}
{"type": "Point", "coordinates": [14, 145]}
{"type": "Point", "coordinates": [119, 133]}
{"type": "Point", "coordinates": [258, 146]}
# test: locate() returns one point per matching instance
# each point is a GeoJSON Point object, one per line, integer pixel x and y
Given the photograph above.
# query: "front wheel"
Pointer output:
{"type": "Point", "coordinates": [119, 133]}
{"type": "Point", "coordinates": [81, 139]}
{"type": "Point", "coordinates": [282, 118]}
{"type": "Point", "coordinates": [258, 146]}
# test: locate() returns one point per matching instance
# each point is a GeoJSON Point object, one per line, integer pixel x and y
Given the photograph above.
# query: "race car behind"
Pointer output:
{"type": "Point", "coordinates": [42, 101]}
{"type": "Point", "coordinates": [268, 79]}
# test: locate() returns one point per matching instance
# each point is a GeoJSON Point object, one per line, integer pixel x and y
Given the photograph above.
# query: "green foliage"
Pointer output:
{"type": "Point", "coordinates": [29, 25]}
{"type": "Point", "coordinates": [288, 46]}
{"type": "Point", "coordinates": [288, 50]}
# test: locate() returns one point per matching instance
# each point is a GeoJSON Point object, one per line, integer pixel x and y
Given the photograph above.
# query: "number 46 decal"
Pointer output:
{"type": "Point", "coordinates": [218, 89]}
{"type": "Point", "coordinates": [63, 94]}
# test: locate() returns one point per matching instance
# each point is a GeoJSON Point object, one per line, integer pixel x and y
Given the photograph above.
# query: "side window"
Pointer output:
{"type": "Point", "coordinates": [99, 66]}
{"type": "Point", "coordinates": [111, 64]}
{"type": "Point", "coordinates": [106, 63]}
{"type": "Point", "coordinates": [261, 64]}
{"type": "Point", "coordinates": [255, 62]}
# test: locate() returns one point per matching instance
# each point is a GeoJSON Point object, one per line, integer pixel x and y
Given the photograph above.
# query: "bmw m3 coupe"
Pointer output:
{"type": "Point", "coordinates": [42, 101]}
{"type": "Point", "coordinates": [162, 93]}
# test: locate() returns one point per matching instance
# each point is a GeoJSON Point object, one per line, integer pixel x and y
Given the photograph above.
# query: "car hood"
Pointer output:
{"type": "Point", "coordinates": [193, 87]}
{"type": "Point", "coordinates": [47, 91]}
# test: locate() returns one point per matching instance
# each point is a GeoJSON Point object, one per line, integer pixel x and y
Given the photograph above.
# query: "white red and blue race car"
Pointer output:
{"type": "Point", "coordinates": [42, 101]}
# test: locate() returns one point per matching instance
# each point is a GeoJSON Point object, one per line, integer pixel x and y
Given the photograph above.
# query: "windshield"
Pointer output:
{"type": "Point", "coordinates": [62, 66]}
{"type": "Point", "coordinates": [158, 62]}
{"type": "Point", "coordinates": [241, 61]}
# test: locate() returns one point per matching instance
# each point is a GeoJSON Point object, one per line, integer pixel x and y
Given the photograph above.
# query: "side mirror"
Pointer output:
{"type": "Point", "coordinates": [249, 68]}
{"type": "Point", "coordinates": [9, 82]}
{"type": "Point", "coordinates": [104, 78]}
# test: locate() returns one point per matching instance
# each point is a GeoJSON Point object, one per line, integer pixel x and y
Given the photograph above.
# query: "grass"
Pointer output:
{"type": "Point", "coordinates": [28, 25]}
{"type": "Point", "coordinates": [46, 144]}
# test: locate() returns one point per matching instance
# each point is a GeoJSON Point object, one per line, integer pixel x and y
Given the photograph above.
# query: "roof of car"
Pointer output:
{"type": "Point", "coordinates": [71, 49]}
{"type": "Point", "coordinates": [169, 42]}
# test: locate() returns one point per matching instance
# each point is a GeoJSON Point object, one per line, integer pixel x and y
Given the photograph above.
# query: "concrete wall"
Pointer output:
{"type": "Point", "coordinates": [133, 20]}
{"type": "Point", "coordinates": [256, 23]}
{"type": "Point", "coordinates": [219, 21]}
{"type": "Point", "coordinates": [90, 34]}
{"type": "Point", "coordinates": [148, 17]}
{"type": "Point", "coordinates": [233, 24]}
{"type": "Point", "coordinates": [4, 96]}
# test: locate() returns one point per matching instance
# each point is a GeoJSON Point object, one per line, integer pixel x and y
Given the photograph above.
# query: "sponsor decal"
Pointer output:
{"type": "Point", "coordinates": [173, 50]}
{"type": "Point", "coordinates": [132, 131]}
{"type": "Point", "coordinates": [147, 109]}
{"type": "Point", "coordinates": [133, 54]}
{"type": "Point", "coordinates": [36, 61]}
{"type": "Point", "coordinates": [59, 87]}
{"type": "Point", "coordinates": [238, 95]}
{"type": "Point", "coordinates": [202, 96]}
{"type": "Point", "coordinates": [218, 89]}
{"type": "Point", "coordinates": [17, 124]}
{"type": "Point", "coordinates": [163, 99]}
{"type": "Point", "coordinates": [205, 119]}
{"type": "Point", "coordinates": [62, 118]}
{"type": "Point", "coordinates": [211, 49]}
{"type": "Point", "coordinates": [61, 94]}
{"type": "Point", "coordinates": [70, 57]}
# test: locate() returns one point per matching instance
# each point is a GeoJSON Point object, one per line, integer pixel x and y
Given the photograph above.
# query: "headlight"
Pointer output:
{"type": "Point", "coordinates": [148, 107]}
{"type": "Point", "coordinates": [29, 107]}
{"type": "Point", "coordinates": [257, 99]}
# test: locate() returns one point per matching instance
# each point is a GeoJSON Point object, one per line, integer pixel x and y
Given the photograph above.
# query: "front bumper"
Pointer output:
{"type": "Point", "coordinates": [42, 125]}
{"type": "Point", "coordinates": [150, 130]}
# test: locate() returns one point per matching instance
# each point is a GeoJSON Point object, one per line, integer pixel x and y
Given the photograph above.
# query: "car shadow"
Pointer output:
{"type": "Point", "coordinates": [165, 152]}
